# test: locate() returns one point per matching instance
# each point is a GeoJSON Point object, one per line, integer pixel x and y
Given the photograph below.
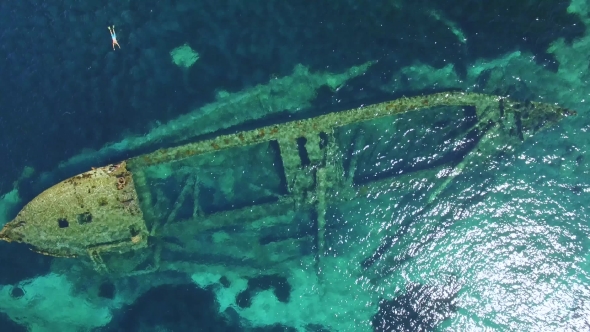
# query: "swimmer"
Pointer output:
{"type": "Point", "coordinates": [114, 37]}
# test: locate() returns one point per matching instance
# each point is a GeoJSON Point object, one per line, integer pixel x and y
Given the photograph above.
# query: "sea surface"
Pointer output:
{"type": "Point", "coordinates": [502, 246]}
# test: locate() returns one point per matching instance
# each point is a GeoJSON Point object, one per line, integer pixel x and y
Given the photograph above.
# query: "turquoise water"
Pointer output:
{"type": "Point", "coordinates": [501, 246]}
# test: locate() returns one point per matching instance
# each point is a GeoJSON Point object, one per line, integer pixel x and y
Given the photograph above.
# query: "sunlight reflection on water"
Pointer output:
{"type": "Point", "coordinates": [506, 244]}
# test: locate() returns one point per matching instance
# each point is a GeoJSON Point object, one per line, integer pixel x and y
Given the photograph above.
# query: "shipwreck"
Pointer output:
{"type": "Point", "coordinates": [258, 199]}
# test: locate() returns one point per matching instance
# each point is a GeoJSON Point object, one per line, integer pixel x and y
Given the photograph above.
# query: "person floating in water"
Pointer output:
{"type": "Point", "coordinates": [114, 37]}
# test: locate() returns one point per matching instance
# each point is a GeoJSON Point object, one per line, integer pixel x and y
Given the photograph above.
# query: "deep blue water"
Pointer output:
{"type": "Point", "coordinates": [504, 249]}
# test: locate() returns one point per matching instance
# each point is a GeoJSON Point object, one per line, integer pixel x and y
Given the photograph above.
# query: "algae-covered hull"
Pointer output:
{"type": "Point", "coordinates": [259, 198]}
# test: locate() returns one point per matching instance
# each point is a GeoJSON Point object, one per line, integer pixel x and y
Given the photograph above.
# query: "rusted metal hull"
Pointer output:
{"type": "Point", "coordinates": [254, 199]}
